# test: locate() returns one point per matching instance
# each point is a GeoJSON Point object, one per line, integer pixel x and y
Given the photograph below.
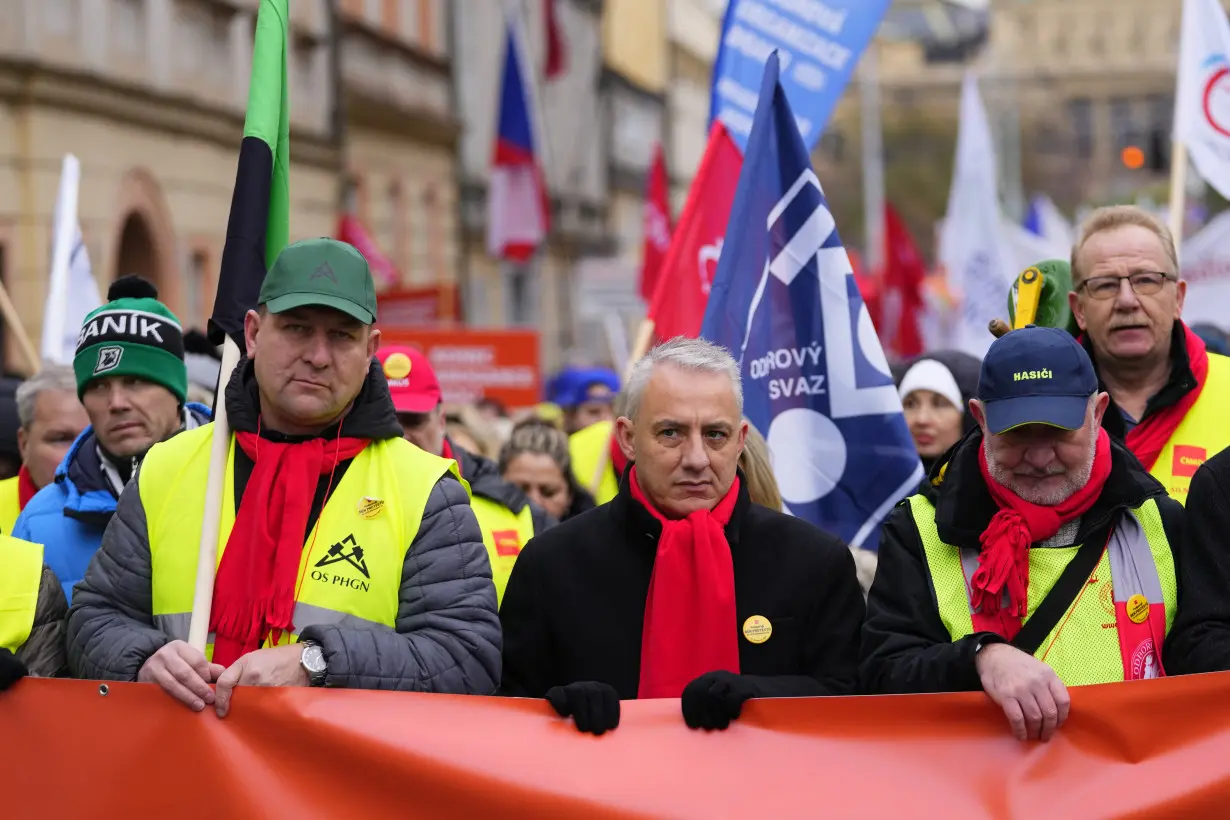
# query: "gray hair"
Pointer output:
{"type": "Point", "coordinates": [694, 355]}
{"type": "Point", "coordinates": [50, 377]}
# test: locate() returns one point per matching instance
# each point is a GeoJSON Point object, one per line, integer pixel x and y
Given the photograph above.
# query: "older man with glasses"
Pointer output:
{"type": "Point", "coordinates": [1169, 395]}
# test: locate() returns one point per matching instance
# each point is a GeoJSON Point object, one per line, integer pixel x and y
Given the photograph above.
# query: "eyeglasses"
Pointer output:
{"type": "Point", "coordinates": [1144, 283]}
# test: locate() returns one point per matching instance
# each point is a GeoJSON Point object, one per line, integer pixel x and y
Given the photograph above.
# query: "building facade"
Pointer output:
{"type": "Point", "coordinates": [400, 136]}
{"type": "Point", "coordinates": [1068, 84]}
{"type": "Point", "coordinates": [150, 96]}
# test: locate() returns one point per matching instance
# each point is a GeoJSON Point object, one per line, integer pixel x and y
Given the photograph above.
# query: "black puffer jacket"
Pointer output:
{"type": "Point", "coordinates": [906, 648]}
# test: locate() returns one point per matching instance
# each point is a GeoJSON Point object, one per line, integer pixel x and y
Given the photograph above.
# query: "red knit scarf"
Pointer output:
{"type": "Point", "coordinates": [254, 593]}
{"type": "Point", "coordinates": [690, 623]}
{"type": "Point", "coordinates": [25, 487]}
{"type": "Point", "coordinates": [1004, 560]}
{"type": "Point", "coordinates": [1147, 439]}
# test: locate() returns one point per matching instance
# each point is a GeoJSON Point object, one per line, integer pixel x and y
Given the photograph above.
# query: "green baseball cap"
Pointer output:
{"type": "Point", "coordinates": [321, 273]}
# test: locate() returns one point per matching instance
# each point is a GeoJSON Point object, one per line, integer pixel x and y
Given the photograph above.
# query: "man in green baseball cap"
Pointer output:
{"type": "Point", "coordinates": [340, 533]}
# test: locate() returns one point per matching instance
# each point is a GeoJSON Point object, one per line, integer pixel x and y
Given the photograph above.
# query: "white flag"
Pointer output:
{"type": "Point", "coordinates": [1202, 100]}
{"type": "Point", "coordinates": [1205, 264]}
{"type": "Point", "coordinates": [72, 291]}
{"type": "Point", "coordinates": [971, 241]}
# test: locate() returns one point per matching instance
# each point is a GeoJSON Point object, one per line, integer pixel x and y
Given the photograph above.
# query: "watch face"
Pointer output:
{"type": "Point", "coordinates": [313, 659]}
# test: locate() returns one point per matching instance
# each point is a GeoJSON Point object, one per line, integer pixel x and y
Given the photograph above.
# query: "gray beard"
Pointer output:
{"type": "Point", "coordinates": [1046, 498]}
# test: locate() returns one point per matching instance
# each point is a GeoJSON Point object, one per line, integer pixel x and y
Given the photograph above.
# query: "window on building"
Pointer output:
{"type": "Point", "coordinates": [1080, 115]}
{"type": "Point", "coordinates": [519, 292]}
{"type": "Point", "coordinates": [1123, 125]}
{"type": "Point", "coordinates": [198, 279]}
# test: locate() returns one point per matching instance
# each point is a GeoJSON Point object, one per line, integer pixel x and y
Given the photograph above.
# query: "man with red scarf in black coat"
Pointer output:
{"type": "Point", "coordinates": [680, 587]}
{"type": "Point", "coordinates": [1168, 394]}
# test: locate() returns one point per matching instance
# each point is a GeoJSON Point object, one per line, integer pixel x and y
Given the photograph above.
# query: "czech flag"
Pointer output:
{"type": "Point", "coordinates": [518, 208]}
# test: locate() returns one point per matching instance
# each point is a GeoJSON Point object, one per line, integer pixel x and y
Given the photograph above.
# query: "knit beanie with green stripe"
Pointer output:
{"type": "Point", "coordinates": [132, 335]}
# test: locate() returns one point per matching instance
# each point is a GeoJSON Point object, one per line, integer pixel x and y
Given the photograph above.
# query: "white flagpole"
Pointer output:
{"type": "Point", "coordinates": [65, 226]}
{"type": "Point", "coordinates": [1178, 192]}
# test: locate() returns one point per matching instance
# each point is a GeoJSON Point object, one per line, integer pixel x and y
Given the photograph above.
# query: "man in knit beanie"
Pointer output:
{"type": "Point", "coordinates": [133, 383]}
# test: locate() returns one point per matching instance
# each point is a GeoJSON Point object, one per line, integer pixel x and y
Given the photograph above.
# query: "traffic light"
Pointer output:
{"type": "Point", "coordinates": [1152, 153]}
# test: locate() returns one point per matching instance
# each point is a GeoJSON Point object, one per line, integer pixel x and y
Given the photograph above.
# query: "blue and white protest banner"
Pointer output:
{"type": "Point", "coordinates": [785, 302]}
{"type": "Point", "coordinates": [819, 43]}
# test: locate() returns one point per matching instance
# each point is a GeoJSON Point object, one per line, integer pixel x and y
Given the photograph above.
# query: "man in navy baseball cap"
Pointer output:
{"type": "Point", "coordinates": [1036, 375]}
{"type": "Point", "coordinates": [1039, 555]}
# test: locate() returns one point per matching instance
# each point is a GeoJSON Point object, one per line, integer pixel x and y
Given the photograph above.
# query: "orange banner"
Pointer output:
{"type": "Point", "coordinates": [475, 364]}
{"type": "Point", "coordinates": [1150, 748]}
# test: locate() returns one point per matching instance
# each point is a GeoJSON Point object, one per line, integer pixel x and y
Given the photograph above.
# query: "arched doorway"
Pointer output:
{"type": "Point", "coordinates": [136, 255]}
{"type": "Point", "coordinates": [143, 238]}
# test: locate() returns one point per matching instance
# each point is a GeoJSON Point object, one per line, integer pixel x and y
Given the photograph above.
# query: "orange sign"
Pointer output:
{"type": "Point", "coordinates": [476, 364]}
{"type": "Point", "coordinates": [412, 307]}
{"type": "Point", "coordinates": [1153, 748]}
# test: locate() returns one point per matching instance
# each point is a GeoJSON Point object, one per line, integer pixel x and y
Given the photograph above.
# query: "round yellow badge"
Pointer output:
{"type": "Point", "coordinates": [397, 366]}
{"type": "Point", "coordinates": [757, 629]}
{"type": "Point", "coordinates": [369, 508]}
{"type": "Point", "coordinates": [1138, 608]}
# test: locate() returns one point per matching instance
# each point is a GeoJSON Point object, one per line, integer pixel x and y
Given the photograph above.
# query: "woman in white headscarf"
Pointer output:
{"type": "Point", "coordinates": [935, 390]}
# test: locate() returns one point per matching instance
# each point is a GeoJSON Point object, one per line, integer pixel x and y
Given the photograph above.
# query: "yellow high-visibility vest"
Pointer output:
{"type": "Point", "coordinates": [1202, 434]}
{"type": "Point", "coordinates": [1083, 648]}
{"type": "Point", "coordinates": [10, 504]}
{"type": "Point", "coordinates": [586, 447]}
{"type": "Point", "coordinates": [352, 560]}
{"type": "Point", "coordinates": [21, 573]}
{"type": "Point", "coordinates": [504, 535]}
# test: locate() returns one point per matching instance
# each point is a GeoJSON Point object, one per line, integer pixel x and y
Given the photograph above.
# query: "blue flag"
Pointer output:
{"type": "Point", "coordinates": [785, 302]}
{"type": "Point", "coordinates": [818, 43]}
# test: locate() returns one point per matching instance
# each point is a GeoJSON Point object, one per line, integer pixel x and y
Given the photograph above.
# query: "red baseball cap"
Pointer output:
{"type": "Point", "coordinates": [412, 381]}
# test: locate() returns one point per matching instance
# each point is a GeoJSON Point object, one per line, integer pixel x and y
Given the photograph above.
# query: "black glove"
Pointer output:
{"type": "Point", "coordinates": [714, 699]}
{"type": "Point", "coordinates": [593, 705]}
{"type": "Point", "coordinates": [11, 669]}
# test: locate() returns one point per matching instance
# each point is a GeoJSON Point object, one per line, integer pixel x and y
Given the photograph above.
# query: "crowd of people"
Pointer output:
{"type": "Point", "coordinates": [620, 541]}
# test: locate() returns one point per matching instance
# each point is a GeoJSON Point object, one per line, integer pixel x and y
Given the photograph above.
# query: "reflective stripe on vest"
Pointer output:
{"type": "Point", "coordinates": [504, 534]}
{"type": "Point", "coordinates": [586, 447]}
{"type": "Point", "coordinates": [10, 504]}
{"type": "Point", "coordinates": [351, 568]}
{"type": "Point", "coordinates": [1202, 434]}
{"type": "Point", "coordinates": [21, 573]}
{"type": "Point", "coordinates": [1086, 646]}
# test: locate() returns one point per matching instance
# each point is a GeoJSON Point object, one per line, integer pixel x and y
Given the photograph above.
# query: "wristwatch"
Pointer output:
{"type": "Point", "coordinates": [313, 661]}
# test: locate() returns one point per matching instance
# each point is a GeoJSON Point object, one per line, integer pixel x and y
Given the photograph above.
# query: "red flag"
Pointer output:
{"type": "Point", "coordinates": [682, 292]}
{"type": "Point", "coordinates": [901, 300]}
{"type": "Point", "coordinates": [556, 53]}
{"type": "Point", "coordinates": [350, 229]}
{"type": "Point", "coordinates": [657, 225]}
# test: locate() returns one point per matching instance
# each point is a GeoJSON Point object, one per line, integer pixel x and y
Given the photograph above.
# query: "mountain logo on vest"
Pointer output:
{"type": "Point", "coordinates": [108, 359]}
{"type": "Point", "coordinates": [349, 552]}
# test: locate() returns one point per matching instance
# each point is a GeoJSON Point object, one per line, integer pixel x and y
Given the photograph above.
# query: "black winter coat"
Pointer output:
{"type": "Point", "coordinates": [575, 604]}
{"type": "Point", "coordinates": [906, 648]}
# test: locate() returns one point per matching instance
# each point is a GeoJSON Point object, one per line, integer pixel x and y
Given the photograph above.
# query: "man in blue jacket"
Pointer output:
{"type": "Point", "coordinates": [132, 380]}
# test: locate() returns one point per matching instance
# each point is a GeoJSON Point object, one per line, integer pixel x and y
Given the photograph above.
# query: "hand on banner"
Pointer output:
{"type": "Point", "coordinates": [183, 673]}
{"type": "Point", "coordinates": [714, 699]}
{"type": "Point", "coordinates": [593, 705]}
{"type": "Point", "coordinates": [11, 669]}
{"type": "Point", "coordinates": [1033, 698]}
{"type": "Point", "coordinates": [276, 666]}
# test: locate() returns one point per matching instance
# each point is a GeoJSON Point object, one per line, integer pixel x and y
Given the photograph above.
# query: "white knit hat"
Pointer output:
{"type": "Point", "coordinates": [928, 374]}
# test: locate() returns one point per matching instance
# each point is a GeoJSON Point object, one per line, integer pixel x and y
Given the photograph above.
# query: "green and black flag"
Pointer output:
{"type": "Point", "coordinates": [259, 224]}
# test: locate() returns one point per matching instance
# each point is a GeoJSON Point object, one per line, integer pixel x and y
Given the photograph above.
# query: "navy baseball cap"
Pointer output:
{"type": "Point", "coordinates": [1036, 375]}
